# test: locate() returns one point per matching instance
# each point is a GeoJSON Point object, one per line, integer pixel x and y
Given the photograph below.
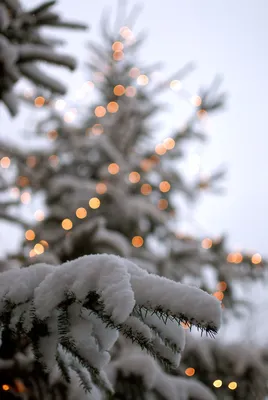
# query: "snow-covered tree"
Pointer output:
{"type": "Point", "coordinates": [23, 46]}
{"type": "Point", "coordinates": [117, 311]}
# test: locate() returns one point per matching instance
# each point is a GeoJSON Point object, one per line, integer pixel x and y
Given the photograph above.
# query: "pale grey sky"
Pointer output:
{"type": "Point", "coordinates": [227, 37]}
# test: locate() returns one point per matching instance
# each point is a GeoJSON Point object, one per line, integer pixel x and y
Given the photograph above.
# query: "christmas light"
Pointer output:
{"type": "Point", "coordinates": [160, 149]}
{"type": "Point", "coordinates": [117, 46]}
{"type": "Point", "coordinates": [256, 258]}
{"type": "Point", "coordinates": [196, 100]}
{"type": "Point", "coordinates": [164, 186]}
{"type": "Point", "coordinates": [100, 111]}
{"type": "Point", "coordinates": [134, 177]}
{"type": "Point", "coordinates": [25, 197]}
{"type": "Point", "coordinates": [52, 135]}
{"type": "Point", "coordinates": [232, 385]}
{"type": "Point", "coordinates": [146, 189]}
{"type": "Point", "coordinates": [217, 383]}
{"type": "Point", "coordinates": [219, 295]}
{"type": "Point", "coordinates": [101, 188]}
{"type": "Point", "coordinates": [112, 107]}
{"type": "Point", "coordinates": [44, 243]}
{"type": "Point", "coordinates": [5, 387]}
{"type": "Point", "coordinates": [31, 161]}
{"type": "Point", "coordinates": [67, 224]}
{"type": "Point", "coordinates": [39, 215]}
{"type": "Point", "coordinates": [97, 129]}
{"type": "Point", "coordinates": [69, 116]}
{"type": "Point", "coordinates": [5, 162]}
{"type": "Point", "coordinates": [169, 143]}
{"type": "Point", "coordinates": [125, 32]}
{"type": "Point", "coordinates": [175, 85]}
{"type": "Point", "coordinates": [130, 91]}
{"type": "Point", "coordinates": [30, 235]}
{"type": "Point", "coordinates": [60, 104]}
{"type": "Point", "coordinates": [162, 204]}
{"type": "Point", "coordinates": [113, 168]}
{"type": "Point", "coordinates": [39, 101]}
{"type": "Point", "coordinates": [222, 286]}
{"type": "Point", "coordinates": [118, 55]}
{"type": "Point", "coordinates": [137, 241]}
{"type": "Point", "coordinates": [32, 253]}
{"type": "Point", "coordinates": [189, 371]}
{"type": "Point", "coordinates": [94, 203]}
{"type": "Point", "coordinates": [39, 248]}
{"type": "Point", "coordinates": [142, 80]}
{"type": "Point", "coordinates": [134, 72]}
{"type": "Point", "coordinates": [206, 243]}
{"type": "Point", "coordinates": [81, 213]}
{"type": "Point", "coordinates": [119, 90]}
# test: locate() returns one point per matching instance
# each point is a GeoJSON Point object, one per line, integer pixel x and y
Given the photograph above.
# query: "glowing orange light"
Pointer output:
{"type": "Point", "coordinates": [232, 385]}
{"type": "Point", "coordinates": [39, 215]}
{"type": "Point", "coordinates": [134, 177]}
{"type": "Point", "coordinates": [5, 162]}
{"type": "Point", "coordinates": [125, 32]}
{"type": "Point", "coordinates": [112, 107]}
{"type": "Point", "coordinates": [222, 286]}
{"type": "Point", "coordinates": [175, 85]}
{"type": "Point", "coordinates": [44, 243]}
{"type": "Point", "coordinates": [113, 168]}
{"type": "Point", "coordinates": [162, 204]}
{"type": "Point", "coordinates": [196, 101]}
{"type": "Point", "coordinates": [185, 325]}
{"type": "Point", "coordinates": [134, 72]}
{"type": "Point", "coordinates": [217, 383]}
{"type": "Point", "coordinates": [39, 248]}
{"type": "Point", "coordinates": [101, 188]}
{"type": "Point", "coordinates": [67, 224]}
{"type": "Point", "coordinates": [94, 203]}
{"type": "Point", "coordinates": [169, 143]}
{"type": "Point", "coordinates": [117, 46]}
{"type": "Point", "coordinates": [160, 149]}
{"type": "Point", "coordinates": [146, 189]}
{"type": "Point", "coordinates": [30, 235]}
{"type": "Point", "coordinates": [118, 55]}
{"type": "Point", "coordinates": [256, 258]}
{"type": "Point", "coordinates": [219, 295]}
{"type": "Point", "coordinates": [119, 90]}
{"type": "Point", "coordinates": [137, 241]}
{"type": "Point", "coordinates": [39, 101]}
{"type": "Point", "coordinates": [164, 186]}
{"type": "Point", "coordinates": [202, 114]}
{"type": "Point", "coordinates": [130, 91]}
{"type": "Point", "coordinates": [142, 80]}
{"type": "Point", "coordinates": [100, 111]}
{"type": "Point", "coordinates": [25, 197]}
{"type": "Point", "coordinates": [5, 387]}
{"type": "Point", "coordinates": [189, 371]}
{"type": "Point", "coordinates": [81, 212]}
{"type": "Point", "coordinates": [97, 129]}
{"type": "Point", "coordinates": [69, 116]}
{"type": "Point", "coordinates": [32, 253]}
{"type": "Point", "coordinates": [206, 243]}
{"type": "Point", "coordinates": [146, 164]}
{"type": "Point", "coordinates": [235, 258]}
{"type": "Point", "coordinates": [52, 135]}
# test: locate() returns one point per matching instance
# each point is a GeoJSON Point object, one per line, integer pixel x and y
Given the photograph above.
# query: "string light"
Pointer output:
{"type": "Point", "coordinates": [119, 90]}
{"type": "Point", "coordinates": [101, 188]}
{"type": "Point", "coordinates": [134, 177]}
{"type": "Point", "coordinates": [146, 189]}
{"type": "Point", "coordinates": [175, 85]}
{"type": "Point", "coordinates": [160, 149]}
{"type": "Point", "coordinates": [69, 116]}
{"type": "Point", "coordinates": [222, 286]}
{"type": "Point", "coordinates": [137, 241]}
{"type": "Point", "coordinates": [32, 253]}
{"type": "Point", "coordinates": [113, 168]}
{"type": "Point", "coordinates": [60, 104]}
{"type": "Point", "coordinates": [202, 114]}
{"type": "Point", "coordinates": [185, 325]}
{"type": "Point", "coordinates": [39, 215]}
{"type": "Point", "coordinates": [39, 101]}
{"type": "Point", "coordinates": [134, 72]}
{"type": "Point", "coordinates": [25, 198]}
{"type": "Point", "coordinates": [100, 111]}
{"type": "Point", "coordinates": [219, 295]}
{"type": "Point", "coordinates": [256, 258]}
{"type": "Point", "coordinates": [232, 385]}
{"type": "Point", "coordinates": [117, 46]}
{"type": "Point", "coordinates": [164, 186]}
{"type": "Point", "coordinates": [52, 135]}
{"type": "Point", "coordinates": [118, 55]}
{"type": "Point", "coordinates": [125, 32]}
{"type": "Point", "coordinates": [5, 162]}
{"type": "Point", "coordinates": [206, 243]}
{"type": "Point", "coordinates": [5, 387]}
{"type": "Point", "coordinates": [67, 224]}
{"type": "Point", "coordinates": [196, 100]}
{"type": "Point", "coordinates": [97, 129]}
{"type": "Point", "coordinates": [81, 213]}
{"type": "Point", "coordinates": [235, 258]}
{"type": "Point", "coordinates": [130, 91]}
{"type": "Point", "coordinates": [44, 243]}
{"type": "Point", "coordinates": [94, 203]}
{"type": "Point", "coordinates": [39, 248]}
{"type": "Point", "coordinates": [217, 383]}
{"type": "Point", "coordinates": [142, 80]}
{"type": "Point", "coordinates": [169, 143]}
{"type": "Point", "coordinates": [162, 204]}
{"type": "Point", "coordinates": [189, 371]}
{"type": "Point", "coordinates": [112, 107]}
{"type": "Point", "coordinates": [30, 235]}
